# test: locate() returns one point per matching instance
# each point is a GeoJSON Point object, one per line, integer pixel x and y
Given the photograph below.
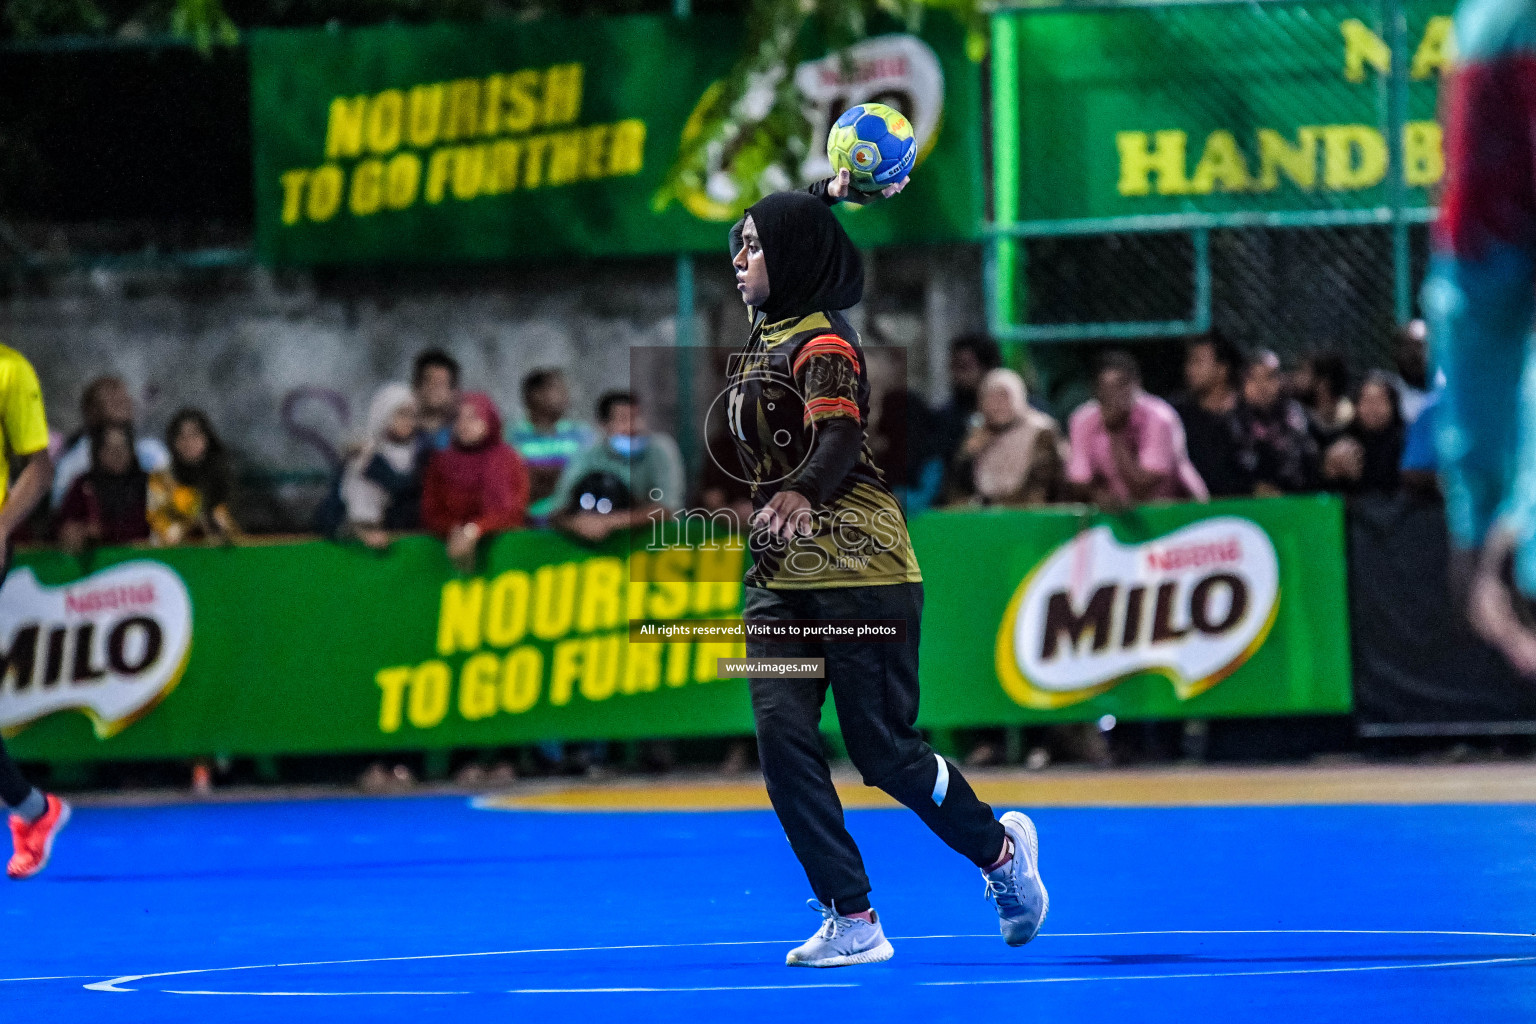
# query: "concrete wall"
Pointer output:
{"type": "Point", "coordinates": [243, 343]}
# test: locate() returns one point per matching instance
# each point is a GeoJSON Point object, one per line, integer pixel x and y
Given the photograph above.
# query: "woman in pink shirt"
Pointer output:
{"type": "Point", "coordinates": [1128, 446]}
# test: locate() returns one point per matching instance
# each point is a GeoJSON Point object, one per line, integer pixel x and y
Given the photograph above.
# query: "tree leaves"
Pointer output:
{"type": "Point", "coordinates": [749, 135]}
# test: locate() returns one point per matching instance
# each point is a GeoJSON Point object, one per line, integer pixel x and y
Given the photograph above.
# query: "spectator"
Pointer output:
{"type": "Point", "coordinates": [1014, 454]}
{"type": "Point", "coordinates": [622, 480]}
{"type": "Point", "coordinates": [1365, 460]}
{"type": "Point", "coordinates": [1420, 467]}
{"type": "Point", "coordinates": [1212, 418]}
{"type": "Point", "coordinates": [904, 448]}
{"type": "Point", "coordinates": [476, 486]}
{"type": "Point", "coordinates": [1410, 354]}
{"type": "Point", "coordinates": [436, 380]}
{"type": "Point", "coordinates": [105, 400]}
{"type": "Point", "coordinates": [107, 503]}
{"type": "Point", "coordinates": [1276, 431]}
{"type": "Point", "coordinates": [547, 440]}
{"type": "Point", "coordinates": [971, 357]}
{"type": "Point", "coordinates": [1128, 446]}
{"type": "Point", "coordinates": [381, 484]}
{"type": "Point", "coordinates": [1329, 410]}
{"type": "Point", "coordinates": [191, 501]}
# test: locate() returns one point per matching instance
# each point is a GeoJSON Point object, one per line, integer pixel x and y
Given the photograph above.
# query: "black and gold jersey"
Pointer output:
{"type": "Point", "coordinates": [792, 378]}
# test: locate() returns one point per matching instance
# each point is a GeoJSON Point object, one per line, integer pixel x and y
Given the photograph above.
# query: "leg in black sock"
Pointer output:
{"type": "Point", "coordinates": [13, 788]}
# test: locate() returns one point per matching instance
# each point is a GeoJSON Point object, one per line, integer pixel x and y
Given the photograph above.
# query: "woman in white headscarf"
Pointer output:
{"type": "Point", "coordinates": [381, 485]}
{"type": "Point", "coordinates": [1014, 455]}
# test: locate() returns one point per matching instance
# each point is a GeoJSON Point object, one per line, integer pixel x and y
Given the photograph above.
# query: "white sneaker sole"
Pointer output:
{"type": "Point", "coordinates": [877, 955]}
{"type": "Point", "coordinates": [1032, 854]}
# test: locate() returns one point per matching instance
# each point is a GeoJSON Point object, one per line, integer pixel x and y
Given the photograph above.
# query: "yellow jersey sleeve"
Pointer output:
{"type": "Point", "coordinates": [21, 405]}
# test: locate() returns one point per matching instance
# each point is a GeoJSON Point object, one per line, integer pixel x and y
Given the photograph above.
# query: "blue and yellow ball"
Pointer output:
{"type": "Point", "coordinates": [874, 143]}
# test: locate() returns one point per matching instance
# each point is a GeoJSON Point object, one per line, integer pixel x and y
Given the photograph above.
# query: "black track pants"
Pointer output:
{"type": "Point", "coordinates": [875, 690]}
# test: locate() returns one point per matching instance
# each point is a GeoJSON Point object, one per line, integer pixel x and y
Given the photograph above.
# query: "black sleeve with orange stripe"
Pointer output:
{"type": "Point", "coordinates": [826, 370]}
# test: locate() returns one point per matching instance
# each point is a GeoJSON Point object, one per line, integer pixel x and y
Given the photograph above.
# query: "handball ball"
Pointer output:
{"type": "Point", "coordinates": [874, 143]}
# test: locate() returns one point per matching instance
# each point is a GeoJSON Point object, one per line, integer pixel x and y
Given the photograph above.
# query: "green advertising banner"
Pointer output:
{"type": "Point", "coordinates": [1236, 608]}
{"type": "Point", "coordinates": [1225, 107]}
{"type": "Point", "coordinates": [506, 141]}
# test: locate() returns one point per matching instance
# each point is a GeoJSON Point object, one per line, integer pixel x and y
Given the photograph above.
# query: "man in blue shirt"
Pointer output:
{"type": "Point", "coordinates": [1420, 465]}
{"type": "Point", "coordinates": [643, 465]}
{"type": "Point", "coordinates": [546, 439]}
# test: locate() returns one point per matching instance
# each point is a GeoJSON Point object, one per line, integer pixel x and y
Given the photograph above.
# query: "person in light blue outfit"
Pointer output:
{"type": "Point", "coordinates": [621, 481]}
{"type": "Point", "coordinates": [547, 439]}
{"type": "Point", "coordinates": [1479, 302]}
{"type": "Point", "coordinates": [1419, 454]}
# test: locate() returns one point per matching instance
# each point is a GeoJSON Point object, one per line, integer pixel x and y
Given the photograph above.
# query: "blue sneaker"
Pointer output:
{"type": "Point", "coordinates": [1015, 887]}
{"type": "Point", "coordinates": [841, 942]}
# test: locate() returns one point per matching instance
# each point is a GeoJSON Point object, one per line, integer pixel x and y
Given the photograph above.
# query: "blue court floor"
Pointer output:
{"type": "Point", "coordinates": [428, 909]}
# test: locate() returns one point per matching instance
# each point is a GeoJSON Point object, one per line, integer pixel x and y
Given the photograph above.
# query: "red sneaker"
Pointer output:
{"type": "Point", "coordinates": [34, 842]}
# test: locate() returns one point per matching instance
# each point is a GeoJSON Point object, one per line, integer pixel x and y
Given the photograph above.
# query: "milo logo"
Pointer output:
{"type": "Point", "coordinates": [112, 645]}
{"type": "Point", "coordinates": [1192, 606]}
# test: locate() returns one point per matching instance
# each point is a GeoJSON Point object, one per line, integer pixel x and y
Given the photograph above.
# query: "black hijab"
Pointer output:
{"type": "Point", "coordinates": [1383, 448]}
{"type": "Point", "coordinates": [211, 475]}
{"type": "Point", "coordinates": [121, 496]}
{"type": "Point", "coordinates": [812, 263]}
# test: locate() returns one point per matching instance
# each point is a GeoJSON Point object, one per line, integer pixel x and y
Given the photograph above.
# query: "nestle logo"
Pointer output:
{"type": "Point", "coordinates": [109, 599]}
{"type": "Point", "coordinates": [1196, 556]}
{"type": "Point", "coordinates": [866, 71]}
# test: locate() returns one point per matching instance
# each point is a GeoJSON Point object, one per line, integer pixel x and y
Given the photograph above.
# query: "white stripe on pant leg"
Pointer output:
{"type": "Point", "coordinates": [941, 784]}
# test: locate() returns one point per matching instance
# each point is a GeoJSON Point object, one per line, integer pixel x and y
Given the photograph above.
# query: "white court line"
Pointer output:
{"type": "Point", "coordinates": [190, 992]}
{"type": "Point", "coordinates": [689, 988]}
{"type": "Point", "coordinates": [1278, 931]}
{"type": "Point", "coordinates": [115, 984]}
{"type": "Point", "coordinates": [1232, 974]}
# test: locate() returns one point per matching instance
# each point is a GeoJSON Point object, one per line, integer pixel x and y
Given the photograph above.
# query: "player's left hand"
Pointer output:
{"type": "Point", "coordinates": [788, 512]}
{"type": "Point", "coordinates": [841, 187]}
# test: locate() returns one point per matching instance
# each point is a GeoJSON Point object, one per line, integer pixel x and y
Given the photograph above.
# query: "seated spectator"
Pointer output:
{"type": "Point", "coordinates": [1365, 459]}
{"type": "Point", "coordinates": [381, 484]}
{"type": "Point", "coordinates": [1276, 431]}
{"type": "Point", "coordinates": [1014, 454]}
{"type": "Point", "coordinates": [190, 502]}
{"type": "Point", "coordinates": [971, 357]}
{"type": "Point", "coordinates": [435, 377]}
{"type": "Point", "coordinates": [903, 444]}
{"type": "Point", "coordinates": [547, 439]}
{"type": "Point", "coordinates": [1410, 355]}
{"type": "Point", "coordinates": [105, 400]}
{"type": "Point", "coordinates": [1213, 423]}
{"type": "Point", "coordinates": [107, 503]}
{"type": "Point", "coordinates": [624, 479]}
{"type": "Point", "coordinates": [476, 486]}
{"type": "Point", "coordinates": [1128, 446]}
{"type": "Point", "coordinates": [1420, 466]}
{"type": "Point", "coordinates": [1329, 409]}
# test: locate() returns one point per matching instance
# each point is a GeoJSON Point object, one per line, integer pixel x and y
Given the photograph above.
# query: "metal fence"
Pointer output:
{"type": "Point", "coordinates": [1266, 169]}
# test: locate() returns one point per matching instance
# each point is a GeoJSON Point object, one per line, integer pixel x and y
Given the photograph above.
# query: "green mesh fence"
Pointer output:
{"type": "Point", "coordinates": [1264, 168]}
